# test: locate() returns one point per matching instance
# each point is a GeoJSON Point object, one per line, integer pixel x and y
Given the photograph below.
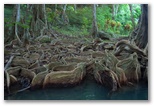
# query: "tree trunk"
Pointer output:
{"type": "Point", "coordinates": [45, 16]}
{"type": "Point", "coordinates": [17, 21]}
{"type": "Point", "coordinates": [114, 10]}
{"type": "Point", "coordinates": [64, 16]}
{"type": "Point", "coordinates": [39, 20]}
{"type": "Point", "coordinates": [56, 7]}
{"type": "Point", "coordinates": [26, 31]}
{"type": "Point", "coordinates": [132, 18]}
{"type": "Point", "coordinates": [94, 24]}
{"type": "Point", "coordinates": [140, 34]}
{"type": "Point", "coordinates": [75, 7]}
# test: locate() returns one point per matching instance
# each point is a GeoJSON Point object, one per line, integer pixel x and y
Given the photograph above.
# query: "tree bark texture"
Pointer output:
{"type": "Point", "coordinates": [45, 16]}
{"type": "Point", "coordinates": [114, 10]}
{"type": "Point", "coordinates": [94, 24]}
{"type": "Point", "coordinates": [140, 34]}
{"type": "Point", "coordinates": [39, 20]}
{"type": "Point", "coordinates": [17, 21]}
{"type": "Point", "coordinates": [64, 16]}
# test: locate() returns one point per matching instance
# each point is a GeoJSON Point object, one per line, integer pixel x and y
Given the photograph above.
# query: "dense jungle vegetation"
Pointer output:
{"type": "Point", "coordinates": [58, 45]}
{"type": "Point", "coordinates": [76, 20]}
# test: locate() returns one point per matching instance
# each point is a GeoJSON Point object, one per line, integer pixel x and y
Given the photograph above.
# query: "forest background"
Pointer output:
{"type": "Point", "coordinates": [151, 23]}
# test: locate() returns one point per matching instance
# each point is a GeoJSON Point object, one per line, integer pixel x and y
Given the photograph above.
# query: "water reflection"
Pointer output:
{"type": "Point", "coordinates": [88, 90]}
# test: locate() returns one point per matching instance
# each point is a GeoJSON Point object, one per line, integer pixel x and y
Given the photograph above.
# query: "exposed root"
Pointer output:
{"type": "Point", "coordinates": [125, 45]}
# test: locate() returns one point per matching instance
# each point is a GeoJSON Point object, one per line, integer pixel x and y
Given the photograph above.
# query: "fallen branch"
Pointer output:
{"type": "Point", "coordinates": [6, 74]}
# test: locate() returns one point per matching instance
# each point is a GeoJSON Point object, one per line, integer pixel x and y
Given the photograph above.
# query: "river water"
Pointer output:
{"type": "Point", "coordinates": [87, 90]}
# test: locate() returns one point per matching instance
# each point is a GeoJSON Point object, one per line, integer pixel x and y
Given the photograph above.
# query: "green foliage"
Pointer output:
{"type": "Point", "coordinates": [80, 21]}
{"type": "Point", "coordinates": [82, 18]}
{"type": "Point", "coordinates": [70, 8]}
{"type": "Point", "coordinates": [122, 18]}
{"type": "Point", "coordinates": [8, 23]}
{"type": "Point", "coordinates": [8, 11]}
{"type": "Point", "coordinates": [123, 14]}
{"type": "Point", "coordinates": [50, 14]}
{"type": "Point", "coordinates": [136, 12]}
{"type": "Point", "coordinates": [25, 26]}
{"type": "Point", "coordinates": [71, 30]}
{"type": "Point", "coordinates": [102, 16]}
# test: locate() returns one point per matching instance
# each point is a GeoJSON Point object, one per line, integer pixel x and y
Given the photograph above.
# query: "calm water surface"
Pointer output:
{"type": "Point", "coordinates": [87, 90]}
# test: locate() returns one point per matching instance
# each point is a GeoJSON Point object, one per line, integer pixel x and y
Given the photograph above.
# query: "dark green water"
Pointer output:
{"type": "Point", "coordinates": [87, 90]}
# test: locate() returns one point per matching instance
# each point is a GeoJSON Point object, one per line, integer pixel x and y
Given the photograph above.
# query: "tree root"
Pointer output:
{"type": "Point", "coordinates": [8, 63]}
{"type": "Point", "coordinates": [125, 45]}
